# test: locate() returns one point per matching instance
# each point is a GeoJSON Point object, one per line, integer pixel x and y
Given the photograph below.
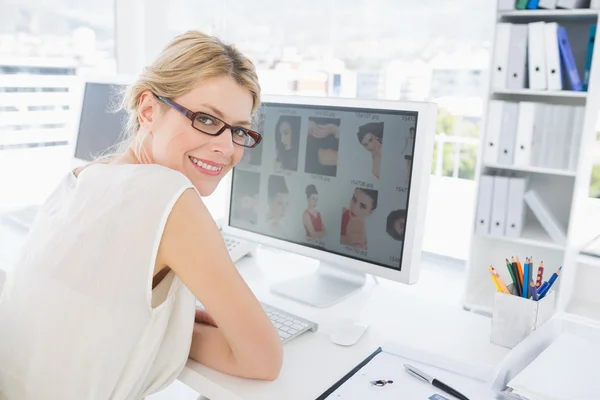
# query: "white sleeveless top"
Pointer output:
{"type": "Point", "coordinates": [78, 316]}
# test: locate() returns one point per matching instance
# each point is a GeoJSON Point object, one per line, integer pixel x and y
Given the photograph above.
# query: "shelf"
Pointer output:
{"type": "Point", "coordinates": [557, 94]}
{"type": "Point", "coordinates": [531, 236]}
{"type": "Point", "coordinates": [577, 14]}
{"type": "Point", "coordinates": [535, 170]}
{"type": "Point", "coordinates": [557, 186]}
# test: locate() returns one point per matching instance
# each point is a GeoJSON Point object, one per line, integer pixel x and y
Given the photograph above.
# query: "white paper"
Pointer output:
{"type": "Point", "coordinates": [389, 367]}
{"type": "Point", "coordinates": [566, 370]}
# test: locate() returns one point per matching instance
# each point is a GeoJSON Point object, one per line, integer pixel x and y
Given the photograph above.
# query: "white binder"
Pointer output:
{"type": "Point", "coordinates": [539, 128]}
{"type": "Point", "coordinates": [576, 136]}
{"type": "Point", "coordinates": [498, 223]}
{"type": "Point", "coordinates": [484, 204]}
{"type": "Point", "coordinates": [500, 68]}
{"type": "Point", "coordinates": [562, 147]}
{"type": "Point", "coordinates": [573, 4]}
{"type": "Point", "coordinates": [492, 132]}
{"type": "Point", "coordinates": [525, 126]}
{"type": "Point", "coordinates": [517, 57]}
{"type": "Point", "coordinates": [548, 135]}
{"type": "Point", "coordinates": [515, 208]}
{"type": "Point", "coordinates": [508, 133]}
{"type": "Point", "coordinates": [536, 45]}
{"type": "Point", "coordinates": [547, 4]}
{"type": "Point", "coordinates": [553, 134]}
{"type": "Point", "coordinates": [505, 5]}
{"type": "Point", "coordinates": [553, 70]}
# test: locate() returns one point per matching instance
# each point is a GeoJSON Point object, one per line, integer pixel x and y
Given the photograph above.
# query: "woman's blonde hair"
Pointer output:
{"type": "Point", "coordinates": [187, 60]}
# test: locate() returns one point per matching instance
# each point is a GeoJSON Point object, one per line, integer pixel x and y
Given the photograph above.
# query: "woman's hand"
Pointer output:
{"type": "Point", "coordinates": [322, 131]}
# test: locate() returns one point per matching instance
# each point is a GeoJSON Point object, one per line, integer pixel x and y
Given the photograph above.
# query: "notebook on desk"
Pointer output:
{"type": "Point", "coordinates": [566, 370]}
{"type": "Point", "coordinates": [382, 376]}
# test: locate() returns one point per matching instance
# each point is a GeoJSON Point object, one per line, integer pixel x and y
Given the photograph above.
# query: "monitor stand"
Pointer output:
{"type": "Point", "coordinates": [325, 287]}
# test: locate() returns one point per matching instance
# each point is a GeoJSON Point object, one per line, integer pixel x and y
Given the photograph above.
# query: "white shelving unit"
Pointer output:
{"type": "Point", "coordinates": [542, 93]}
{"type": "Point", "coordinates": [565, 191]}
{"type": "Point", "coordinates": [556, 15]}
{"type": "Point", "coordinates": [533, 170]}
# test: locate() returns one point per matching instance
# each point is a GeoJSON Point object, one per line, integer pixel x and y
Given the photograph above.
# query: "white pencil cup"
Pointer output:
{"type": "Point", "coordinates": [515, 317]}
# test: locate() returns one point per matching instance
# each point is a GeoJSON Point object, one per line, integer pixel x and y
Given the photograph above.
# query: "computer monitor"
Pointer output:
{"type": "Point", "coordinates": [343, 181]}
{"type": "Point", "coordinates": [97, 127]}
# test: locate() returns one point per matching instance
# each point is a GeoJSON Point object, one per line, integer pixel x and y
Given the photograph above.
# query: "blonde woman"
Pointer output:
{"type": "Point", "coordinates": [102, 303]}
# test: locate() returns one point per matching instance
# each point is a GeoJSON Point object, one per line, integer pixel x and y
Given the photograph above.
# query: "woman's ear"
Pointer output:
{"type": "Point", "coordinates": [147, 110]}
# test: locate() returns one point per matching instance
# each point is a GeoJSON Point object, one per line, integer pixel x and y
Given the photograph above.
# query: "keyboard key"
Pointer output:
{"type": "Point", "coordinates": [284, 335]}
{"type": "Point", "coordinates": [288, 323]}
{"type": "Point", "coordinates": [291, 331]}
{"type": "Point", "coordinates": [298, 327]}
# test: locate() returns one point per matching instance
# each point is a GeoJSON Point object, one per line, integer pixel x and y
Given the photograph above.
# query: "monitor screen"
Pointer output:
{"type": "Point", "coordinates": [336, 179]}
{"type": "Point", "coordinates": [99, 127]}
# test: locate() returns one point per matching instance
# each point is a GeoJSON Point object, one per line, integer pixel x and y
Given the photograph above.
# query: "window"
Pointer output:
{"type": "Point", "coordinates": [27, 70]}
{"type": "Point", "coordinates": [595, 178]}
{"type": "Point", "coordinates": [383, 49]}
{"type": "Point", "coordinates": [43, 47]}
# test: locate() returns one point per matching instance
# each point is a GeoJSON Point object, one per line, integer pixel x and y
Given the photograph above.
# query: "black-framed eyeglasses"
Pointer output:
{"type": "Point", "coordinates": [213, 126]}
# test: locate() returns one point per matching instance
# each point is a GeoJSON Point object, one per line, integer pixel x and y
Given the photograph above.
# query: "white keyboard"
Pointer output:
{"type": "Point", "coordinates": [237, 248]}
{"type": "Point", "coordinates": [289, 326]}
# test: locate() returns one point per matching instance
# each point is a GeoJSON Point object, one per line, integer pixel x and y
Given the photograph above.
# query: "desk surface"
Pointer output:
{"type": "Point", "coordinates": [312, 363]}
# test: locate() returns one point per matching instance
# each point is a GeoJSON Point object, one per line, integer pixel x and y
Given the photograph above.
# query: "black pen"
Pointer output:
{"type": "Point", "coordinates": [432, 381]}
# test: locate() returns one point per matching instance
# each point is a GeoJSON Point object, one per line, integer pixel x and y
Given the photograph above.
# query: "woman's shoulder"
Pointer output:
{"type": "Point", "coordinates": [131, 173]}
{"type": "Point", "coordinates": [150, 181]}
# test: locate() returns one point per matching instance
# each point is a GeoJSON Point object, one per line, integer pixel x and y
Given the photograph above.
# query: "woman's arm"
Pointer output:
{"type": "Point", "coordinates": [327, 157]}
{"type": "Point", "coordinates": [245, 343]}
{"type": "Point", "coordinates": [308, 225]}
{"type": "Point", "coordinates": [345, 239]}
{"type": "Point", "coordinates": [319, 234]}
{"type": "Point", "coordinates": [310, 228]}
{"type": "Point", "coordinates": [322, 131]}
{"type": "Point", "coordinates": [405, 146]}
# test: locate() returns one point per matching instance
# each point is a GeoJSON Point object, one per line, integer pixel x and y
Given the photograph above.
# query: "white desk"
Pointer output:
{"type": "Point", "coordinates": [312, 363]}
